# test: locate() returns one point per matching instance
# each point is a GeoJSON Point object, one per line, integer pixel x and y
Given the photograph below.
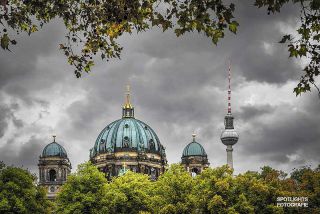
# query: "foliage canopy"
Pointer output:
{"type": "Point", "coordinates": [19, 193]}
{"type": "Point", "coordinates": [215, 190]}
{"type": "Point", "coordinates": [84, 192]}
{"type": "Point", "coordinates": [176, 192]}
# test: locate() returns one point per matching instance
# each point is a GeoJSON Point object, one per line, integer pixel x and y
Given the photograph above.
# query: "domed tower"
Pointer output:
{"type": "Point", "coordinates": [128, 144]}
{"type": "Point", "coordinates": [229, 136]}
{"type": "Point", "coordinates": [54, 167]}
{"type": "Point", "coordinates": [194, 157]}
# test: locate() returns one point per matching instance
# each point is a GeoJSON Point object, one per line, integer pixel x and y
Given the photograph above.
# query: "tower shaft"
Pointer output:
{"type": "Point", "coordinates": [229, 156]}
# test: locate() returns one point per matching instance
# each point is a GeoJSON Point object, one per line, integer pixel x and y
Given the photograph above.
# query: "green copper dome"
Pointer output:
{"type": "Point", "coordinates": [194, 149]}
{"type": "Point", "coordinates": [127, 134]}
{"type": "Point", "coordinates": [54, 149]}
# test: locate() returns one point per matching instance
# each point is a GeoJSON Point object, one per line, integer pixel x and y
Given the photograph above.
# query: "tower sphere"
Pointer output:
{"type": "Point", "coordinates": [229, 137]}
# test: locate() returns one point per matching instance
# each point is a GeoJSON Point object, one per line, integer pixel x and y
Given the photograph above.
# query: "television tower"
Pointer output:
{"type": "Point", "coordinates": [229, 136]}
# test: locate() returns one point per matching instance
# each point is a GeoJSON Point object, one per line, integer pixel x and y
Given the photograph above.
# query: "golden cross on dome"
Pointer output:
{"type": "Point", "coordinates": [127, 107]}
{"type": "Point", "coordinates": [54, 138]}
{"type": "Point", "coordinates": [127, 103]}
{"type": "Point", "coordinates": [128, 94]}
{"type": "Point", "coordinates": [194, 136]}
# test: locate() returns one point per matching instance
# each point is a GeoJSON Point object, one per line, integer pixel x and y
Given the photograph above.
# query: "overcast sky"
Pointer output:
{"type": "Point", "coordinates": [179, 86]}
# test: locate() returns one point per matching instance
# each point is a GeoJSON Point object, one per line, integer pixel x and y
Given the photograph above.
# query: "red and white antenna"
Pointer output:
{"type": "Point", "coordinates": [229, 89]}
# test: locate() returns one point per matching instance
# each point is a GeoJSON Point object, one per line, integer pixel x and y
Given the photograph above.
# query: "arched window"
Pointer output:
{"type": "Point", "coordinates": [126, 142]}
{"type": "Point", "coordinates": [52, 175]}
{"type": "Point", "coordinates": [153, 174]}
{"type": "Point", "coordinates": [195, 170]}
{"type": "Point", "coordinates": [151, 145]}
{"type": "Point", "coordinates": [64, 174]}
{"type": "Point", "coordinates": [43, 175]}
{"type": "Point", "coordinates": [146, 171]}
{"type": "Point", "coordinates": [52, 189]}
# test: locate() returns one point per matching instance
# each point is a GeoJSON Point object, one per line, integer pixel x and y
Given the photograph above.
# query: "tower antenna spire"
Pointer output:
{"type": "Point", "coordinates": [229, 88]}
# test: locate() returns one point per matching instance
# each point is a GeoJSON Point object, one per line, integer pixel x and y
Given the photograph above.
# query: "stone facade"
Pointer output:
{"type": "Point", "coordinates": [147, 163]}
{"type": "Point", "coordinates": [195, 164]}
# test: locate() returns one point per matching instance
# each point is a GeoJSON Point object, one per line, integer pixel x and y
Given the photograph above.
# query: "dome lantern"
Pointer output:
{"type": "Point", "coordinates": [127, 109]}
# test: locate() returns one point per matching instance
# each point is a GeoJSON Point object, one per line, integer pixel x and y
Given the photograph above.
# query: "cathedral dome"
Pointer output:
{"type": "Point", "coordinates": [128, 144]}
{"type": "Point", "coordinates": [127, 134]}
{"type": "Point", "coordinates": [194, 149]}
{"type": "Point", "coordinates": [54, 150]}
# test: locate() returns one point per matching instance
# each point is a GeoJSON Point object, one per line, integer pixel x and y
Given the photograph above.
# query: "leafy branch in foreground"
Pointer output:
{"type": "Point", "coordinates": [306, 43]}
{"type": "Point", "coordinates": [95, 25]}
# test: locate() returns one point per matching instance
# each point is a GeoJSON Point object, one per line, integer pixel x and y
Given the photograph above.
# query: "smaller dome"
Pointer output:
{"type": "Point", "coordinates": [54, 150]}
{"type": "Point", "coordinates": [229, 137]}
{"type": "Point", "coordinates": [194, 149]}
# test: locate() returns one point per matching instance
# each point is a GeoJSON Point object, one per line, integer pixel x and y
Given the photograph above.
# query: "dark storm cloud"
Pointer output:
{"type": "Point", "coordinates": [247, 50]}
{"type": "Point", "coordinates": [250, 112]}
{"type": "Point", "coordinates": [258, 55]}
{"type": "Point", "coordinates": [19, 75]}
{"type": "Point", "coordinates": [290, 132]}
{"type": "Point", "coordinates": [26, 155]}
{"type": "Point", "coordinates": [7, 116]}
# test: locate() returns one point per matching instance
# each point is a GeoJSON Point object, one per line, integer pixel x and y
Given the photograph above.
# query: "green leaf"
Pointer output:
{"type": "Point", "coordinates": [293, 51]}
{"type": "Point", "coordinates": [34, 28]}
{"type": "Point", "coordinates": [5, 41]}
{"type": "Point", "coordinates": [215, 40]}
{"type": "Point", "coordinates": [303, 50]}
{"type": "Point", "coordinates": [233, 26]}
{"type": "Point", "coordinates": [87, 68]}
{"type": "Point", "coordinates": [285, 38]}
{"type": "Point", "coordinates": [24, 26]}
